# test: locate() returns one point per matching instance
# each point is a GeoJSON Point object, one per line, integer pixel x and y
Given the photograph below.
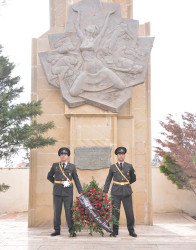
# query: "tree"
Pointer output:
{"type": "Point", "coordinates": [4, 187]}
{"type": "Point", "coordinates": [180, 145]}
{"type": "Point", "coordinates": [175, 173]}
{"type": "Point", "coordinates": [18, 125]}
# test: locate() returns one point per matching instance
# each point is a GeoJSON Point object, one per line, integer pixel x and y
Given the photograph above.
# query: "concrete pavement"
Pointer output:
{"type": "Point", "coordinates": [170, 231]}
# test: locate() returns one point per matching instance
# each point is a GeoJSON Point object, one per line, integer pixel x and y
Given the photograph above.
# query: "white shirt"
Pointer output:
{"type": "Point", "coordinates": [121, 162]}
{"type": "Point", "coordinates": [64, 163]}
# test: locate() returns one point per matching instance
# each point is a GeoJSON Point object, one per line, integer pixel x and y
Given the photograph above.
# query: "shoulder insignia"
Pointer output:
{"type": "Point", "coordinates": [134, 172]}
{"type": "Point", "coordinates": [69, 173]}
{"type": "Point", "coordinates": [127, 173]}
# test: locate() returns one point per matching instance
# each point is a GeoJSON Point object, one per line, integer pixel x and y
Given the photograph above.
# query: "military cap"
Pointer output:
{"type": "Point", "coordinates": [120, 150]}
{"type": "Point", "coordinates": [64, 151]}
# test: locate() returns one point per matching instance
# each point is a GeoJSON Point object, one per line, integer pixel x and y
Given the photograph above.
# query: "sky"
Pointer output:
{"type": "Point", "coordinates": [172, 59]}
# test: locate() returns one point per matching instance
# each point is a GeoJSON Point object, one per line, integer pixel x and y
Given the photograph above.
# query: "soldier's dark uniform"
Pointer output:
{"type": "Point", "coordinates": [63, 195]}
{"type": "Point", "coordinates": [122, 192]}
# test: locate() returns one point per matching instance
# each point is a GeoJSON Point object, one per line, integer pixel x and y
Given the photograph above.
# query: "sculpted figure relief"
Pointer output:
{"type": "Point", "coordinates": [99, 57]}
{"type": "Point", "coordinates": [94, 76]}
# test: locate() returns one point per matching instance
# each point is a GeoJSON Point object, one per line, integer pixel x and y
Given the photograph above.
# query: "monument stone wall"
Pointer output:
{"type": "Point", "coordinates": [89, 126]}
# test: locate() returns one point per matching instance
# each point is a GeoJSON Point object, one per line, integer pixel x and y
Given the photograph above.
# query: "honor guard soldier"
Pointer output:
{"type": "Point", "coordinates": [62, 175]}
{"type": "Point", "coordinates": [123, 175]}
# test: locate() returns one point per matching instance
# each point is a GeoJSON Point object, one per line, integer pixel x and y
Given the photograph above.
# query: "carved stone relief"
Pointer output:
{"type": "Point", "coordinates": [99, 57]}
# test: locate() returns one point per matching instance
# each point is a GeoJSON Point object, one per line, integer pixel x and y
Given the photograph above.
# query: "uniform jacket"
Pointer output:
{"type": "Point", "coordinates": [56, 174]}
{"type": "Point", "coordinates": [122, 190]}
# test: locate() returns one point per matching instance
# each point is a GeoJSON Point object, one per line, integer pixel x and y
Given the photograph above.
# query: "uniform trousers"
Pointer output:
{"type": "Point", "coordinates": [128, 207]}
{"type": "Point", "coordinates": [58, 201]}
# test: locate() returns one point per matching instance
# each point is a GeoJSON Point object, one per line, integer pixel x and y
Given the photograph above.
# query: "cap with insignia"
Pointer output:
{"type": "Point", "coordinates": [64, 151]}
{"type": "Point", "coordinates": [120, 150]}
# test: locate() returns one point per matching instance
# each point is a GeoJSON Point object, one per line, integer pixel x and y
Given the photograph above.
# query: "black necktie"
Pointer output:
{"type": "Point", "coordinates": [121, 166]}
{"type": "Point", "coordinates": [63, 165]}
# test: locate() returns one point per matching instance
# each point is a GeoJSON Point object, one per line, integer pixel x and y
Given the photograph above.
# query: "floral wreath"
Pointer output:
{"type": "Point", "coordinates": [103, 204]}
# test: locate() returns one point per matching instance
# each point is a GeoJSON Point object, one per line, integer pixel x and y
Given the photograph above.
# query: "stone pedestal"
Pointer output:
{"type": "Point", "coordinates": [89, 126]}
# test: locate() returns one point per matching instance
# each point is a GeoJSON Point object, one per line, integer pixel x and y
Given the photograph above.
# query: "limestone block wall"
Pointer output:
{"type": "Point", "coordinates": [15, 199]}
{"type": "Point", "coordinates": [167, 198]}
{"type": "Point", "coordinates": [89, 126]}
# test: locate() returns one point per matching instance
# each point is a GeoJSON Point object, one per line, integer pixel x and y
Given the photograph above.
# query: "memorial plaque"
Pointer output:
{"type": "Point", "coordinates": [95, 157]}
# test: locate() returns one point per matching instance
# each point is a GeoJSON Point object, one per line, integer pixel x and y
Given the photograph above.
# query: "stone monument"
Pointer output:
{"type": "Point", "coordinates": [93, 76]}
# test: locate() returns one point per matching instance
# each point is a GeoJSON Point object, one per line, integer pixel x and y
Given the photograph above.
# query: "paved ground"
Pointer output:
{"type": "Point", "coordinates": [170, 231]}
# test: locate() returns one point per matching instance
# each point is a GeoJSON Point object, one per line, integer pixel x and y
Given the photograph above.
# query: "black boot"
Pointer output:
{"type": "Point", "coordinates": [114, 233]}
{"type": "Point", "coordinates": [72, 235]}
{"type": "Point", "coordinates": [132, 233]}
{"type": "Point", "coordinates": [115, 230]}
{"type": "Point", "coordinates": [55, 233]}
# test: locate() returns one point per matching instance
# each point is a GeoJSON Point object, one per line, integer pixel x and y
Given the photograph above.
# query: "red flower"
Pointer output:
{"type": "Point", "coordinates": [100, 200]}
